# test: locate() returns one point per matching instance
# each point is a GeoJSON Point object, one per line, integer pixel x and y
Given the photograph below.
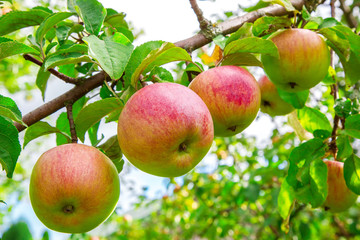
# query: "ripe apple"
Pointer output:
{"type": "Point", "coordinates": [303, 63]}
{"type": "Point", "coordinates": [165, 129]}
{"type": "Point", "coordinates": [271, 102]}
{"type": "Point", "coordinates": [74, 188]}
{"type": "Point", "coordinates": [339, 197]}
{"type": "Point", "coordinates": [232, 95]}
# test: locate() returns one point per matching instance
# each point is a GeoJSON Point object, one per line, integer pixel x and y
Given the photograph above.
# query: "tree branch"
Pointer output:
{"type": "Point", "coordinates": [350, 19]}
{"type": "Point", "coordinates": [204, 23]}
{"type": "Point", "coordinates": [189, 44]}
{"type": "Point", "coordinates": [74, 138]}
{"type": "Point", "coordinates": [61, 76]}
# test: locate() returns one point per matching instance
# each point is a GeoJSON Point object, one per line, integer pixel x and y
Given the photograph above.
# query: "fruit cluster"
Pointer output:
{"type": "Point", "coordinates": [166, 129]}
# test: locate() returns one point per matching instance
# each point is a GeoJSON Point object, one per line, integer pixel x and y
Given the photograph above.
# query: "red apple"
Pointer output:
{"type": "Point", "coordinates": [165, 129]}
{"type": "Point", "coordinates": [339, 197]}
{"type": "Point", "coordinates": [304, 60]}
{"type": "Point", "coordinates": [271, 102]}
{"type": "Point", "coordinates": [232, 96]}
{"type": "Point", "coordinates": [74, 188]}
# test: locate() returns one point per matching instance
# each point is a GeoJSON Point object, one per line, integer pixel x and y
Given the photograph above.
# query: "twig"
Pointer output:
{"type": "Point", "coordinates": [351, 20]}
{"type": "Point", "coordinates": [204, 23]}
{"type": "Point", "coordinates": [61, 76]}
{"type": "Point", "coordinates": [74, 138]}
{"type": "Point", "coordinates": [342, 229]}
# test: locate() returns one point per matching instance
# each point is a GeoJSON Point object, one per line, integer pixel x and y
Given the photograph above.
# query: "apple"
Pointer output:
{"type": "Point", "coordinates": [271, 102]}
{"type": "Point", "coordinates": [165, 129]}
{"type": "Point", "coordinates": [304, 60]}
{"type": "Point", "coordinates": [339, 197]}
{"type": "Point", "coordinates": [232, 95]}
{"type": "Point", "coordinates": [73, 188]}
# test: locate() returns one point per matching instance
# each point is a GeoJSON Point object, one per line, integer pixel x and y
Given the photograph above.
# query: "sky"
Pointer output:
{"type": "Point", "coordinates": [168, 20]}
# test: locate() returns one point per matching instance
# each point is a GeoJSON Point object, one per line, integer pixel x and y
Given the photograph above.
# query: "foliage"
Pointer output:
{"type": "Point", "coordinates": [257, 190]}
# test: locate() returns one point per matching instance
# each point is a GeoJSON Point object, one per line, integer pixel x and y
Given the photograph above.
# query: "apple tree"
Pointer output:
{"type": "Point", "coordinates": [300, 182]}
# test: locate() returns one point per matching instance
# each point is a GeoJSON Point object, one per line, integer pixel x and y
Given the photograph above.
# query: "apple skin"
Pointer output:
{"type": "Point", "coordinates": [339, 197]}
{"type": "Point", "coordinates": [74, 188]}
{"type": "Point", "coordinates": [271, 102]}
{"type": "Point", "coordinates": [165, 129]}
{"type": "Point", "coordinates": [304, 60]}
{"type": "Point", "coordinates": [232, 95]}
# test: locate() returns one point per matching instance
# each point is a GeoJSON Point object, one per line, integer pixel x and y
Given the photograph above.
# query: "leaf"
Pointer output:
{"type": "Point", "coordinates": [49, 22]}
{"type": "Point", "coordinates": [352, 126]}
{"type": "Point", "coordinates": [62, 123]}
{"type": "Point", "coordinates": [241, 59]}
{"type": "Point", "coordinates": [159, 74]}
{"type": "Point", "coordinates": [18, 231]}
{"type": "Point", "coordinates": [252, 45]}
{"type": "Point", "coordinates": [167, 53]}
{"type": "Point", "coordinates": [10, 147]}
{"type": "Point", "coordinates": [243, 32]}
{"type": "Point", "coordinates": [344, 147]}
{"type": "Point", "coordinates": [268, 24]}
{"type": "Point", "coordinates": [296, 99]}
{"type": "Point", "coordinates": [352, 173]}
{"type": "Point", "coordinates": [112, 149]}
{"type": "Point", "coordinates": [294, 122]}
{"type": "Point", "coordinates": [91, 12]}
{"type": "Point", "coordinates": [285, 3]}
{"type": "Point", "coordinates": [112, 53]}
{"type": "Point", "coordinates": [312, 119]}
{"type": "Point", "coordinates": [40, 129]}
{"type": "Point", "coordinates": [9, 47]}
{"type": "Point", "coordinates": [16, 20]}
{"type": "Point", "coordinates": [9, 109]}
{"type": "Point", "coordinates": [42, 79]}
{"type": "Point", "coordinates": [66, 58]}
{"type": "Point", "coordinates": [318, 183]}
{"type": "Point", "coordinates": [286, 200]}
{"type": "Point", "coordinates": [93, 113]}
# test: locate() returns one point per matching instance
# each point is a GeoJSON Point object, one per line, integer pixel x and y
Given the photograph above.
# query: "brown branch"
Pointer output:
{"type": "Point", "coordinates": [204, 23]}
{"type": "Point", "coordinates": [61, 76]}
{"type": "Point", "coordinates": [350, 19]}
{"type": "Point", "coordinates": [188, 44]}
{"type": "Point", "coordinates": [74, 138]}
{"type": "Point", "coordinates": [59, 102]}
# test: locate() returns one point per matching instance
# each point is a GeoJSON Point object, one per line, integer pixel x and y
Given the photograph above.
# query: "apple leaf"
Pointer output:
{"type": "Point", "coordinates": [16, 20]}
{"type": "Point", "coordinates": [93, 113]}
{"type": "Point", "coordinates": [269, 24]}
{"type": "Point", "coordinates": [318, 183]}
{"type": "Point", "coordinates": [299, 130]}
{"type": "Point", "coordinates": [344, 147]}
{"type": "Point", "coordinates": [352, 126]}
{"type": "Point", "coordinates": [244, 31]}
{"type": "Point", "coordinates": [312, 119]}
{"type": "Point", "coordinates": [9, 47]}
{"type": "Point", "coordinates": [166, 53]}
{"type": "Point", "coordinates": [42, 79]}
{"type": "Point", "coordinates": [285, 3]}
{"type": "Point", "coordinates": [91, 12]}
{"type": "Point", "coordinates": [112, 53]}
{"type": "Point", "coordinates": [117, 21]}
{"type": "Point", "coordinates": [112, 149]}
{"type": "Point", "coordinates": [286, 199]}
{"type": "Point", "coordinates": [296, 99]}
{"type": "Point", "coordinates": [352, 173]}
{"type": "Point", "coordinates": [159, 74]}
{"type": "Point", "coordinates": [9, 109]}
{"type": "Point", "coordinates": [49, 22]}
{"type": "Point", "coordinates": [19, 230]}
{"type": "Point", "coordinates": [66, 58]}
{"type": "Point", "coordinates": [40, 129]}
{"type": "Point", "coordinates": [10, 147]}
{"type": "Point", "coordinates": [252, 45]}
{"type": "Point", "coordinates": [241, 59]}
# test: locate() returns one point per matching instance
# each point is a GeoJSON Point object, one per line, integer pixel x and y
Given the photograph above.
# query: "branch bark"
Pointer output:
{"type": "Point", "coordinates": [189, 44]}
{"type": "Point", "coordinates": [350, 19]}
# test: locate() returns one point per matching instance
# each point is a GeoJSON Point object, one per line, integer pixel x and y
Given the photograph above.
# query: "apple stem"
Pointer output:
{"type": "Point", "coordinates": [182, 147]}
{"type": "Point", "coordinates": [232, 128]}
{"type": "Point", "coordinates": [68, 209]}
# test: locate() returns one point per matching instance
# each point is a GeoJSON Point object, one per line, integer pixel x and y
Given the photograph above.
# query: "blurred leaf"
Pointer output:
{"type": "Point", "coordinates": [312, 119]}
{"type": "Point", "coordinates": [9, 109]}
{"type": "Point", "coordinates": [252, 45]}
{"type": "Point", "coordinates": [112, 149]}
{"type": "Point", "coordinates": [352, 173]}
{"type": "Point", "coordinates": [18, 231]}
{"type": "Point", "coordinates": [93, 113]}
{"type": "Point", "coordinates": [42, 79]}
{"type": "Point", "coordinates": [243, 32]}
{"type": "Point", "coordinates": [285, 3]}
{"type": "Point", "coordinates": [112, 53]}
{"type": "Point", "coordinates": [268, 24]}
{"type": "Point", "coordinates": [300, 131]}
{"type": "Point", "coordinates": [318, 183]}
{"type": "Point", "coordinates": [91, 12]}
{"type": "Point", "coordinates": [329, 22]}
{"type": "Point", "coordinates": [344, 147]}
{"type": "Point", "coordinates": [296, 99]}
{"type": "Point", "coordinates": [352, 126]}
{"type": "Point", "coordinates": [49, 22]}
{"type": "Point", "coordinates": [16, 20]}
{"type": "Point", "coordinates": [286, 200]}
{"type": "Point", "coordinates": [40, 129]}
{"type": "Point", "coordinates": [10, 147]}
{"type": "Point", "coordinates": [9, 47]}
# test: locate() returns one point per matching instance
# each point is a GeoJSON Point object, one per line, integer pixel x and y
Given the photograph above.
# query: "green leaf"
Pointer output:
{"type": "Point", "coordinates": [252, 45]}
{"type": "Point", "coordinates": [66, 58]}
{"type": "Point", "coordinates": [10, 147]}
{"type": "Point", "coordinates": [9, 47]}
{"type": "Point", "coordinates": [312, 119]}
{"type": "Point", "coordinates": [167, 53]}
{"type": "Point", "coordinates": [42, 79]}
{"type": "Point", "coordinates": [9, 109]}
{"type": "Point", "coordinates": [18, 231]}
{"type": "Point", "coordinates": [296, 99]}
{"type": "Point", "coordinates": [286, 200]}
{"type": "Point", "coordinates": [112, 53]}
{"type": "Point", "coordinates": [159, 74]}
{"type": "Point", "coordinates": [40, 129]}
{"type": "Point", "coordinates": [337, 41]}
{"type": "Point", "coordinates": [352, 173]}
{"type": "Point", "coordinates": [329, 22]}
{"type": "Point", "coordinates": [112, 149]}
{"type": "Point", "coordinates": [268, 24]}
{"type": "Point", "coordinates": [344, 147]}
{"type": "Point", "coordinates": [318, 183]}
{"type": "Point", "coordinates": [49, 23]}
{"type": "Point", "coordinates": [285, 3]}
{"type": "Point", "coordinates": [16, 20]}
{"type": "Point", "coordinates": [91, 12]}
{"type": "Point", "coordinates": [352, 126]}
{"type": "Point", "coordinates": [118, 24]}
{"type": "Point", "coordinates": [93, 113]}
{"type": "Point", "coordinates": [241, 59]}
{"type": "Point", "coordinates": [243, 32]}
{"type": "Point", "coordinates": [62, 123]}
